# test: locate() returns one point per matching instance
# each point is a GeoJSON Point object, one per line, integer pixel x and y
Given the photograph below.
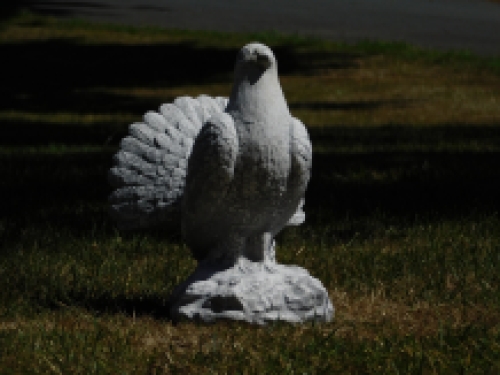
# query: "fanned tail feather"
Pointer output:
{"type": "Point", "coordinates": [150, 168]}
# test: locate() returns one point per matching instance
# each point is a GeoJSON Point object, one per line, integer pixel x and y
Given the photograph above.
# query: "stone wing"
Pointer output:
{"type": "Point", "coordinates": [149, 170]}
{"type": "Point", "coordinates": [210, 175]}
{"type": "Point", "coordinates": [301, 152]}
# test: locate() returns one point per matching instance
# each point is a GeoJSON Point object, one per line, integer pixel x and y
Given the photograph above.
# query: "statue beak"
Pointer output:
{"type": "Point", "coordinates": [261, 59]}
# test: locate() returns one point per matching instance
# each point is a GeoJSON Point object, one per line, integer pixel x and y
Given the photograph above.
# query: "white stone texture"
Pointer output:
{"type": "Point", "coordinates": [254, 292]}
{"type": "Point", "coordinates": [150, 168]}
{"type": "Point", "coordinates": [233, 172]}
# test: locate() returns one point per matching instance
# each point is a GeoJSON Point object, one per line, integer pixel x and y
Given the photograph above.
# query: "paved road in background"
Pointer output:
{"type": "Point", "coordinates": [442, 24]}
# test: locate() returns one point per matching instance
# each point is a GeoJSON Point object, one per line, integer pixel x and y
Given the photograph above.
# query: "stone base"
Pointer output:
{"type": "Point", "coordinates": [251, 292]}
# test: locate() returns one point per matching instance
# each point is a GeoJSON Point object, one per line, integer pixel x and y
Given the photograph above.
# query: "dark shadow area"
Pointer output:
{"type": "Point", "coordinates": [66, 191]}
{"type": "Point", "coordinates": [400, 135]}
{"type": "Point", "coordinates": [64, 75]}
{"type": "Point", "coordinates": [44, 76]}
{"type": "Point", "coordinates": [365, 105]}
{"type": "Point", "coordinates": [152, 306]}
{"type": "Point", "coordinates": [447, 184]}
{"type": "Point", "coordinates": [401, 171]}
{"type": "Point", "coordinates": [27, 133]}
{"type": "Point", "coordinates": [9, 8]}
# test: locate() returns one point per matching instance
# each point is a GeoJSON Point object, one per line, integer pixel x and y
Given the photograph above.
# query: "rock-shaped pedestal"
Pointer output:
{"type": "Point", "coordinates": [255, 292]}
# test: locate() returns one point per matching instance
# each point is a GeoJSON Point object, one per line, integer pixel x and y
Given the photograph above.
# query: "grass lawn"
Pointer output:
{"type": "Point", "coordinates": [402, 226]}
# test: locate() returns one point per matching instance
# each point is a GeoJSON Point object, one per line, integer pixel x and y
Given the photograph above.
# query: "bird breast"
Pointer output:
{"type": "Point", "coordinates": [263, 164]}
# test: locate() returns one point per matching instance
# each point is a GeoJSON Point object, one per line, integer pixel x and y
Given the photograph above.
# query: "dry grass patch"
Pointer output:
{"type": "Point", "coordinates": [360, 336]}
{"type": "Point", "coordinates": [365, 317]}
{"type": "Point", "coordinates": [376, 91]}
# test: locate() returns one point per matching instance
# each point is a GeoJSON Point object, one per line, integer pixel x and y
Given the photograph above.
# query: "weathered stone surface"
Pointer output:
{"type": "Point", "coordinates": [254, 292]}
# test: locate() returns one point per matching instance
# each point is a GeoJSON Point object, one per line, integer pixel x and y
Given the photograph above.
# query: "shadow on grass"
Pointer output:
{"type": "Point", "coordinates": [9, 8]}
{"type": "Point", "coordinates": [361, 105]}
{"type": "Point", "coordinates": [22, 133]}
{"type": "Point", "coordinates": [48, 76]}
{"type": "Point", "coordinates": [433, 181]}
{"type": "Point", "coordinates": [405, 171]}
{"type": "Point", "coordinates": [152, 306]}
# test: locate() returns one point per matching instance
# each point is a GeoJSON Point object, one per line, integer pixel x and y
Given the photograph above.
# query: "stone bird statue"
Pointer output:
{"type": "Point", "coordinates": [232, 171]}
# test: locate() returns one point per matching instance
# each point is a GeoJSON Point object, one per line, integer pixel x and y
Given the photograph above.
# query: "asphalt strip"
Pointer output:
{"type": "Point", "coordinates": [441, 24]}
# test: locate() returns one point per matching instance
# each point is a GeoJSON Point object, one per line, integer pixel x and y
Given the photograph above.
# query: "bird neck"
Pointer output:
{"type": "Point", "coordinates": [260, 100]}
